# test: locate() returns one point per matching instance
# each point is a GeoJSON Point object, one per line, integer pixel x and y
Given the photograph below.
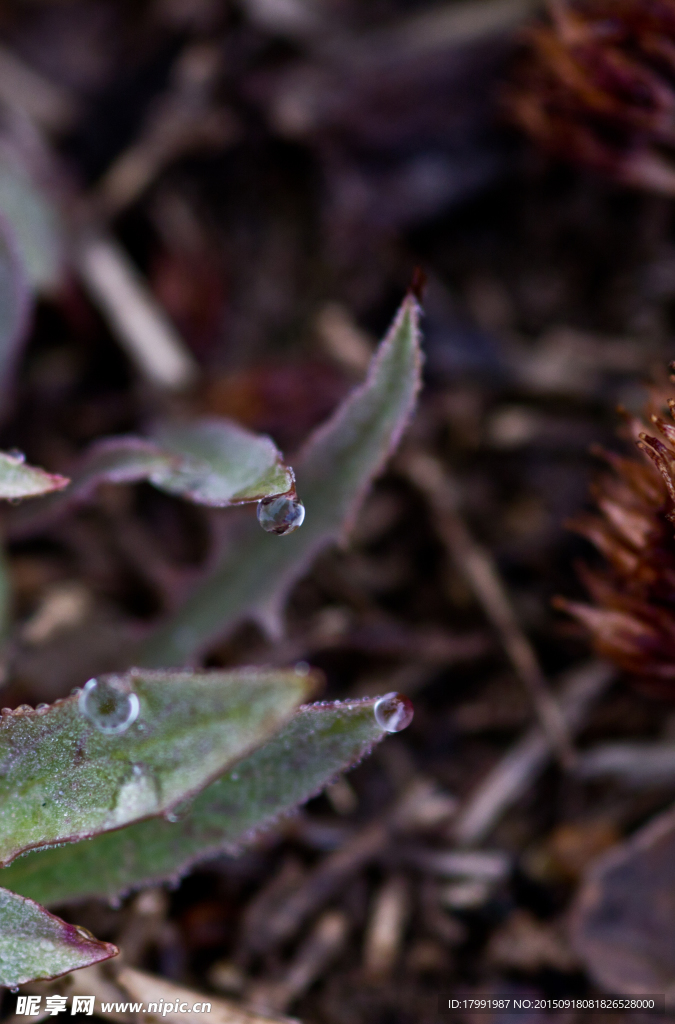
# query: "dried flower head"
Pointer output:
{"type": "Point", "coordinates": [632, 619]}
{"type": "Point", "coordinates": [596, 85]}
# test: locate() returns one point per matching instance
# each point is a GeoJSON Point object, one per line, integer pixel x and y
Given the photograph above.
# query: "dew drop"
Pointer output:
{"type": "Point", "coordinates": [393, 712]}
{"type": "Point", "coordinates": [280, 515]}
{"type": "Point", "coordinates": [18, 455]}
{"type": "Point", "coordinates": [108, 706]}
{"type": "Point", "coordinates": [171, 817]}
{"type": "Point", "coordinates": [14, 989]}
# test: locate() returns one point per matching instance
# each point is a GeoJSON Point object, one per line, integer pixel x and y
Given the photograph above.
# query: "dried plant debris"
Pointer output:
{"type": "Point", "coordinates": [631, 620]}
{"type": "Point", "coordinates": [596, 87]}
{"type": "Point", "coordinates": [208, 213]}
{"type": "Point", "coordinates": [622, 919]}
{"type": "Point", "coordinates": [35, 944]}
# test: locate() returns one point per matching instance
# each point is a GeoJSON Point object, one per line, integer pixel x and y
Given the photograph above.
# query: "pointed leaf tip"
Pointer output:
{"type": "Point", "coordinates": [334, 472]}
{"type": "Point", "coordinates": [131, 746]}
{"type": "Point", "coordinates": [209, 461]}
{"type": "Point", "coordinates": [318, 742]}
{"type": "Point", "coordinates": [35, 945]}
{"type": "Point", "coordinates": [19, 480]}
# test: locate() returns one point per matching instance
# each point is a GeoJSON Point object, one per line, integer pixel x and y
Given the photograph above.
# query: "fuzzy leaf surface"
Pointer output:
{"type": "Point", "coordinates": [218, 463]}
{"type": "Point", "coordinates": [35, 945]}
{"type": "Point", "coordinates": [318, 742]}
{"type": "Point", "coordinates": [210, 461]}
{"type": "Point", "coordinates": [62, 778]}
{"type": "Point", "coordinates": [15, 304]}
{"type": "Point", "coordinates": [18, 480]}
{"type": "Point", "coordinates": [35, 224]}
{"type": "Point", "coordinates": [333, 472]}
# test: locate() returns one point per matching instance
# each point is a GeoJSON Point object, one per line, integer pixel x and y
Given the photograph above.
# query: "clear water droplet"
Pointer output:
{"type": "Point", "coordinates": [14, 989]}
{"type": "Point", "coordinates": [280, 515]}
{"type": "Point", "coordinates": [171, 817]}
{"type": "Point", "coordinates": [41, 707]}
{"type": "Point", "coordinates": [17, 454]}
{"type": "Point", "coordinates": [393, 712]}
{"type": "Point", "coordinates": [108, 705]}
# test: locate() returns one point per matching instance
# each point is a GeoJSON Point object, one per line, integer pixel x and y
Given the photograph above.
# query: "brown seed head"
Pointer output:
{"type": "Point", "coordinates": [596, 86]}
{"type": "Point", "coordinates": [632, 617]}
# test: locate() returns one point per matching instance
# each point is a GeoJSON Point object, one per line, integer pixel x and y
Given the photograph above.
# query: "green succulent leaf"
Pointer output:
{"type": "Point", "coordinates": [15, 305]}
{"type": "Point", "coordinates": [210, 461]}
{"type": "Point", "coordinates": [35, 224]}
{"type": "Point", "coordinates": [35, 945]}
{"type": "Point", "coordinates": [218, 463]}
{"type": "Point", "coordinates": [18, 480]}
{"type": "Point", "coordinates": [333, 472]}
{"type": "Point", "coordinates": [131, 746]}
{"type": "Point", "coordinates": [318, 742]}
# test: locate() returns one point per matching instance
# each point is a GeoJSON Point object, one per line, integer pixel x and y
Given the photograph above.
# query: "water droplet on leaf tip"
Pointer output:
{"type": "Point", "coordinates": [280, 515]}
{"type": "Point", "coordinates": [17, 454]}
{"type": "Point", "coordinates": [393, 712]}
{"type": "Point", "coordinates": [14, 989]}
{"type": "Point", "coordinates": [107, 706]}
{"type": "Point", "coordinates": [75, 690]}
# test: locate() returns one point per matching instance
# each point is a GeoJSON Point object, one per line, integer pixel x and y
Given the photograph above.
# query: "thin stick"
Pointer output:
{"type": "Point", "coordinates": [323, 944]}
{"type": "Point", "coordinates": [140, 324]}
{"type": "Point", "coordinates": [521, 765]}
{"type": "Point", "coordinates": [49, 105]}
{"type": "Point", "coordinates": [386, 926]}
{"type": "Point", "coordinates": [320, 886]}
{"type": "Point", "coordinates": [148, 988]}
{"type": "Point", "coordinates": [480, 571]}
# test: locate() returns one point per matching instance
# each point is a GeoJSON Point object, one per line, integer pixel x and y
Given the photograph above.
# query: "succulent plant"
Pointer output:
{"type": "Point", "coordinates": [160, 767]}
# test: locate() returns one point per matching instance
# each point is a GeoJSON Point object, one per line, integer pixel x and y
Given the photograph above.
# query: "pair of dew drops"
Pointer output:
{"type": "Point", "coordinates": [112, 710]}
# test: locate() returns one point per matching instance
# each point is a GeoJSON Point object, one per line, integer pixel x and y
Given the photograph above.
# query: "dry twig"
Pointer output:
{"type": "Point", "coordinates": [384, 933]}
{"type": "Point", "coordinates": [521, 765]}
{"type": "Point", "coordinates": [142, 327]}
{"type": "Point", "coordinates": [480, 571]}
{"type": "Point", "coordinates": [321, 947]}
{"type": "Point", "coordinates": [148, 988]}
